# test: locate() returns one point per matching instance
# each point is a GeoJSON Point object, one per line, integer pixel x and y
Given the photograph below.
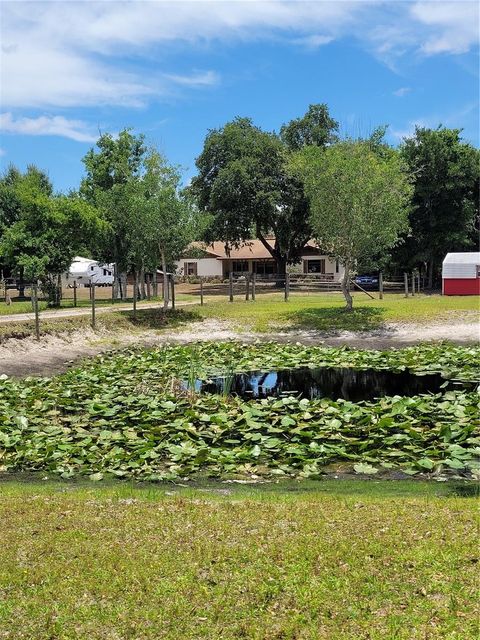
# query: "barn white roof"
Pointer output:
{"type": "Point", "coordinates": [471, 257]}
{"type": "Point", "coordinates": [461, 265]}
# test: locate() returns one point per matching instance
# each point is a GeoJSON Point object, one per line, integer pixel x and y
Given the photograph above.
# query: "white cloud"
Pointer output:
{"type": "Point", "coordinates": [2, 152]}
{"type": "Point", "coordinates": [454, 26]}
{"type": "Point", "coordinates": [78, 53]}
{"type": "Point", "coordinates": [402, 92]}
{"type": "Point", "coordinates": [200, 79]}
{"type": "Point", "coordinates": [47, 126]}
{"type": "Point", "coordinates": [313, 41]}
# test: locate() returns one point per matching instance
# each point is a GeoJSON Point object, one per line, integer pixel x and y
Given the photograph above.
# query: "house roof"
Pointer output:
{"type": "Point", "coordinates": [251, 250]}
{"type": "Point", "coordinates": [470, 257]}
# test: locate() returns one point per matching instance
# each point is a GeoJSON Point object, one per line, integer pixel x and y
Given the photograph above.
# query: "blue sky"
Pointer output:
{"type": "Point", "coordinates": [173, 70]}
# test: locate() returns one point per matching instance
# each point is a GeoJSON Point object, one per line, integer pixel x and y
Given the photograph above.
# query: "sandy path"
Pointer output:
{"type": "Point", "coordinates": [54, 354]}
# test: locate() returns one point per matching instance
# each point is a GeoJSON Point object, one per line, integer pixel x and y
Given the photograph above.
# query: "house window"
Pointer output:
{"type": "Point", "coordinates": [264, 267]}
{"type": "Point", "coordinates": [314, 266]}
{"type": "Point", "coordinates": [92, 268]}
{"type": "Point", "coordinates": [105, 272]}
{"type": "Point", "coordinates": [239, 266]}
{"type": "Point", "coordinates": [191, 269]}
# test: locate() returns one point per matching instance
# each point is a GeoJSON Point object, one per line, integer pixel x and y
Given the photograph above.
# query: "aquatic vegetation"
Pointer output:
{"type": "Point", "coordinates": [120, 415]}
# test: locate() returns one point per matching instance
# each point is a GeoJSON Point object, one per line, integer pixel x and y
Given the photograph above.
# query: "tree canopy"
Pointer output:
{"type": "Point", "coordinates": [47, 232]}
{"type": "Point", "coordinates": [245, 182]}
{"type": "Point", "coordinates": [359, 201]}
{"type": "Point", "coordinates": [445, 172]}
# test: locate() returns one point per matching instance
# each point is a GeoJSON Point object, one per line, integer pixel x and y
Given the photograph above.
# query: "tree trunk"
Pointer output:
{"type": "Point", "coordinates": [345, 284]}
{"type": "Point", "coordinates": [281, 265]}
{"type": "Point", "coordinates": [430, 274]}
{"type": "Point", "coordinates": [141, 276]}
{"type": "Point", "coordinates": [155, 283]}
{"type": "Point", "coordinates": [116, 282]}
{"type": "Point", "coordinates": [59, 289]}
{"type": "Point", "coordinates": [165, 280]}
{"type": "Point", "coordinates": [123, 281]}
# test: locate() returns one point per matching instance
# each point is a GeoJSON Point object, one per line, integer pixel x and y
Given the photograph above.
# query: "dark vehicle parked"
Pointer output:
{"type": "Point", "coordinates": [368, 281]}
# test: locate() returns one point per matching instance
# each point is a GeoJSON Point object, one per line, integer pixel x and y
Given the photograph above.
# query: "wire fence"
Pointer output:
{"type": "Point", "coordinates": [246, 287]}
{"type": "Point", "coordinates": [250, 286]}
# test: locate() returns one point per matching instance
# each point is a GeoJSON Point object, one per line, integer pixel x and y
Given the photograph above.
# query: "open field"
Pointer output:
{"type": "Point", "coordinates": [331, 560]}
{"type": "Point", "coordinates": [325, 312]}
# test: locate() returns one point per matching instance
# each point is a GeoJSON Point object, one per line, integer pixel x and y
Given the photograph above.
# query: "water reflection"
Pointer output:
{"type": "Point", "coordinates": [325, 382]}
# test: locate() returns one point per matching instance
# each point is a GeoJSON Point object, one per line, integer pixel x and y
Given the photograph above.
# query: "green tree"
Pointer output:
{"type": "Point", "coordinates": [315, 128]}
{"type": "Point", "coordinates": [445, 172]}
{"type": "Point", "coordinates": [359, 201]}
{"type": "Point", "coordinates": [112, 170]}
{"type": "Point", "coordinates": [169, 221]}
{"type": "Point", "coordinates": [46, 234]}
{"type": "Point", "coordinates": [244, 182]}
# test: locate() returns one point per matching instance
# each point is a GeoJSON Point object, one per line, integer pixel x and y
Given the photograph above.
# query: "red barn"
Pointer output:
{"type": "Point", "coordinates": [461, 274]}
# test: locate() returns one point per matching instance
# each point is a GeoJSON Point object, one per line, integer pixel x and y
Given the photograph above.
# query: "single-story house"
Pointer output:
{"type": "Point", "coordinates": [84, 270]}
{"type": "Point", "coordinates": [461, 274]}
{"type": "Point", "coordinates": [213, 260]}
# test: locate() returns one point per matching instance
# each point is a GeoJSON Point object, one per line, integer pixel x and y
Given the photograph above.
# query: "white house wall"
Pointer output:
{"type": "Point", "coordinates": [208, 267]}
{"type": "Point", "coordinates": [330, 266]}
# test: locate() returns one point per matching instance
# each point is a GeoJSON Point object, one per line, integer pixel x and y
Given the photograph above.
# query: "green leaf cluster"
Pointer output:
{"type": "Point", "coordinates": [123, 415]}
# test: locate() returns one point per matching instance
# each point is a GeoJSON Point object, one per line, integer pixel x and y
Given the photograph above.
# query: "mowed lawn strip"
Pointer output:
{"type": "Point", "coordinates": [326, 312]}
{"type": "Point", "coordinates": [333, 560]}
{"type": "Point", "coordinates": [269, 312]}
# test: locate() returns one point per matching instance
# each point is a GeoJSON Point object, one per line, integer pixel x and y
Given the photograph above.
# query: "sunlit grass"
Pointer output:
{"type": "Point", "coordinates": [327, 560]}
{"type": "Point", "coordinates": [325, 312]}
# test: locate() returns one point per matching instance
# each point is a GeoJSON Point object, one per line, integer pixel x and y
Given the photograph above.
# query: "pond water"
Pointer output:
{"type": "Point", "coordinates": [325, 382]}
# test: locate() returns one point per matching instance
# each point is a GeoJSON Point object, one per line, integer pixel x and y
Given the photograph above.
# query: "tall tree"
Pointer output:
{"type": "Point", "coordinates": [446, 173]}
{"type": "Point", "coordinates": [47, 233]}
{"type": "Point", "coordinates": [111, 171]}
{"type": "Point", "coordinates": [316, 128]}
{"type": "Point", "coordinates": [244, 182]}
{"type": "Point", "coordinates": [169, 219]}
{"type": "Point", "coordinates": [359, 201]}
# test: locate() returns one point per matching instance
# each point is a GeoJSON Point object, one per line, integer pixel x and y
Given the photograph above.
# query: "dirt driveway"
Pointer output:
{"type": "Point", "coordinates": [54, 354]}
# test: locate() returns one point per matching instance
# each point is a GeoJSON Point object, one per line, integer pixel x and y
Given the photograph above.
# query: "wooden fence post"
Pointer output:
{"type": "Point", "coordinates": [254, 278]}
{"type": "Point", "coordinates": [74, 293]}
{"type": "Point", "coordinates": [413, 284]}
{"type": "Point", "coordinates": [405, 280]}
{"type": "Point", "coordinates": [287, 286]}
{"type": "Point", "coordinates": [380, 285]}
{"type": "Point", "coordinates": [172, 280]}
{"type": "Point", "coordinates": [247, 287]}
{"type": "Point", "coordinates": [201, 291]}
{"type": "Point", "coordinates": [135, 293]}
{"type": "Point", "coordinates": [92, 297]}
{"type": "Point", "coordinates": [35, 308]}
{"type": "Point", "coordinates": [230, 285]}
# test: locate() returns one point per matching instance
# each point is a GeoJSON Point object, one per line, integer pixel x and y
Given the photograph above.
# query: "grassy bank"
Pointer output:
{"type": "Point", "coordinates": [111, 322]}
{"type": "Point", "coordinates": [325, 312]}
{"type": "Point", "coordinates": [270, 312]}
{"type": "Point", "coordinates": [323, 561]}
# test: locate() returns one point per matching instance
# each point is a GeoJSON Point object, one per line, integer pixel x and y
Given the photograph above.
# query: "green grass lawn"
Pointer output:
{"type": "Point", "coordinates": [269, 312]}
{"type": "Point", "coordinates": [116, 321]}
{"type": "Point", "coordinates": [18, 306]}
{"type": "Point", "coordinates": [333, 560]}
{"type": "Point", "coordinates": [325, 312]}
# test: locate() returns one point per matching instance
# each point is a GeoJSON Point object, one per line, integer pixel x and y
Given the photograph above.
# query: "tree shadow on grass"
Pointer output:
{"type": "Point", "coordinates": [333, 320]}
{"type": "Point", "coordinates": [158, 319]}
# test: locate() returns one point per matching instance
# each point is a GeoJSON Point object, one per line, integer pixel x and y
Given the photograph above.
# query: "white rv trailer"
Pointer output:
{"type": "Point", "coordinates": [83, 271]}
